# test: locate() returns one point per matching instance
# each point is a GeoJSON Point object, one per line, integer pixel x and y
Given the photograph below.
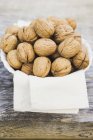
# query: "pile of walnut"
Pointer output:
{"type": "Point", "coordinates": [47, 47]}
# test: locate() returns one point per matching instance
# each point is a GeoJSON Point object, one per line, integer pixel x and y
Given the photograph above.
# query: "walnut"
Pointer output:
{"type": "Point", "coordinates": [72, 23]}
{"type": "Point", "coordinates": [44, 28]}
{"type": "Point", "coordinates": [81, 60]}
{"type": "Point", "coordinates": [57, 21]}
{"type": "Point", "coordinates": [27, 68]}
{"type": "Point", "coordinates": [1, 42]}
{"type": "Point", "coordinates": [76, 36]}
{"type": "Point", "coordinates": [25, 52]}
{"type": "Point", "coordinates": [27, 34]}
{"type": "Point", "coordinates": [13, 59]}
{"type": "Point", "coordinates": [41, 66]}
{"type": "Point", "coordinates": [32, 24]}
{"type": "Point", "coordinates": [44, 47]}
{"type": "Point", "coordinates": [9, 42]}
{"type": "Point", "coordinates": [12, 30]}
{"type": "Point", "coordinates": [61, 32]}
{"type": "Point", "coordinates": [55, 55]}
{"type": "Point", "coordinates": [61, 66]}
{"type": "Point", "coordinates": [69, 47]}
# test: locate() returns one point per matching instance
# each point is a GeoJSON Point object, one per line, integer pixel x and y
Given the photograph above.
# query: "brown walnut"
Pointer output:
{"type": "Point", "coordinates": [9, 42]}
{"type": "Point", "coordinates": [61, 32]}
{"type": "Point", "coordinates": [41, 66]}
{"type": "Point", "coordinates": [27, 68]}
{"type": "Point", "coordinates": [69, 47]}
{"type": "Point", "coordinates": [81, 60]}
{"type": "Point", "coordinates": [12, 30]}
{"type": "Point", "coordinates": [25, 52]}
{"type": "Point", "coordinates": [13, 59]}
{"type": "Point", "coordinates": [72, 23]}
{"type": "Point", "coordinates": [61, 66]}
{"type": "Point", "coordinates": [27, 34]}
{"type": "Point", "coordinates": [44, 47]}
{"type": "Point", "coordinates": [57, 21]}
{"type": "Point", "coordinates": [44, 28]}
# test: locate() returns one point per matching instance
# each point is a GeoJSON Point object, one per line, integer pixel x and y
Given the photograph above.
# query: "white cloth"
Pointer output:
{"type": "Point", "coordinates": [51, 94]}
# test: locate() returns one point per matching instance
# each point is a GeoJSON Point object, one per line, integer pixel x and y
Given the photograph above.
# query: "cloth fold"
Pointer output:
{"type": "Point", "coordinates": [50, 94]}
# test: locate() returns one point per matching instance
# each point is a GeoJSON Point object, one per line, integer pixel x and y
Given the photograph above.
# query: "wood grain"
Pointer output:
{"type": "Point", "coordinates": [40, 125]}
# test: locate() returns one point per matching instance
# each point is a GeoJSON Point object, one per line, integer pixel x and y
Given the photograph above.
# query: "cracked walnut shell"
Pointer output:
{"type": "Point", "coordinates": [44, 47]}
{"type": "Point", "coordinates": [44, 28]}
{"type": "Point", "coordinates": [69, 47]}
{"type": "Point", "coordinates": [25, 52]}
{"type": "Point", "coordinates": [27, 68]}
{"type": "Point", "coordinates": [13, 59]}
{"type": "Point", "coordinates": [41, 66]}
{"type": "Point", "coordinates": [27, 34]}
{"type": "Point", "coordinates": [61, 32]}
{"type": "Point", "coordinates": [9, 42]}
{"type": "Point", "coordinates": [61, 67]}
{"type": "Point", "coordinates": [81, 60]}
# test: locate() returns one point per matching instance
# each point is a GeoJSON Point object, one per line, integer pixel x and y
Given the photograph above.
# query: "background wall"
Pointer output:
{"type": "Point", "coordinates": [81, 10]}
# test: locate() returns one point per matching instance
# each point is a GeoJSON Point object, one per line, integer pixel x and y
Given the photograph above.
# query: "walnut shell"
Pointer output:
{"type": "Point", "coordinates": [57, 21]}
{"type": "Point", "coordinates": [25, 52]}
{"type": "Point", "coordinates": [12, 30]}
{"type": "Point", "coordinates": [44, 47]}
{"type": "Point", "coordinates": [55, 55]}
{"type": "Point", "coordinates": [69, 47]}
{"type": "Point", "coordinates": [32, 24]}
{"type": "Point", "coordinates": [76, 36]}
{"type": "Point", "coordinates": [81, 60]}
{"type": "Point", "coordinates": [1, 42]}
{"type": "Point", "coordinates": [72, 23]}
{"type": "Point", "coordinates": [44, 28]}
{"type": "Point", "coordinates": [41, 66]}
{"type": "Point", "coordinates": [61, 32]}
{"type": "Point", "coordinates": [61, 66]}
{"type": "Point", "coordinates": [27, 34]}
{"type": "Point", "coordinates": [27, 68]}
{"type": "Point", "coordinates": [9, 42]}
{"type": "Point", "coordinates": [13, 59]}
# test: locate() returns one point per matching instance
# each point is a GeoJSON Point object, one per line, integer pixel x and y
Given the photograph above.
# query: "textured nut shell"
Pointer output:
{"type": "Point", "coordinates": [44, 47]}
{"type": "Point", "coordinates": [25, 52]}
{"type": "Point", "coordinates": [33, 23]}
{"type": "Point", "coordinates": [9, 42]}
{"type": "Point", "coordinates": [12, 30]}
{"type": "Point", "coordinates": [72, 23]}
{"type": "Point", "coordinates": [76, 36]}
{"type": "Point", "coordinates": [27, 34]}
{"type": "Point", "coordinates": [55, 55]}
{"type": "Point", "coordinates": [41, 66]}
{"type": "Point", "coordinates": [1, 42]}
{"type": "Point", "coordinates": [81, 60]}
{"type": "Point", "coordinates": [61, 67]}
{"type": "Point", "coordinates": [44, 28]}
{"type": "Point", "coordinates": [61, 32]}
{"type": "Point", "coordinates": [69, 47]}
{"type": "Point", "coordinates": [27, 68]}
{"type": "Point", "coordinates": [13, 59]}
{"type": "Point", "coordinates": [57, 21]}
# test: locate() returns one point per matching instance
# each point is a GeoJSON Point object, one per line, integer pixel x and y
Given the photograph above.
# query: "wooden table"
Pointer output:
{"type": "Point", "coordinates": [39, 125]}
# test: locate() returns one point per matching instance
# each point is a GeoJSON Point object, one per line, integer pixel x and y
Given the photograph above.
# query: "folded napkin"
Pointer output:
{"type": "Point", "coordinates": [51, 94]}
